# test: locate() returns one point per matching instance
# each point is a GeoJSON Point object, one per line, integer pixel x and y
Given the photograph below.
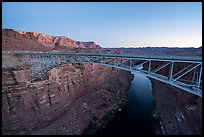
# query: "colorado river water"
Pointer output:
{"type": "Point", "coordinates": [136, 116]}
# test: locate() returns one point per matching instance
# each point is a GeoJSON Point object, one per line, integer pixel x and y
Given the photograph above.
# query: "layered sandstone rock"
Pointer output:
{"type": "Point", "coordinates": [87, 44]}
{"type": "Point", "coordinates": [21, 40]}
{"type": "Point", "coordinates": [65, 102]}
{"type": "Point", "coordinates": [12, 40]}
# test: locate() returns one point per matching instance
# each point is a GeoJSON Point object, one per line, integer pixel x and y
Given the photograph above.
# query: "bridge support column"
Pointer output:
{"type": "Point", "coordinates": [131, 64]}
{"type": "Point", "coordinates": [171, 71]}
{"type": "Point", "coordinates": [194, 76]}
{"type": "Point", "coordinates": [199, 78]}
{"type": "Point", "coordinates": [149, 69]}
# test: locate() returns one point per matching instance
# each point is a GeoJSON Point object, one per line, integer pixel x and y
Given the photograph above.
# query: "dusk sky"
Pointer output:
{"type": "Point", "coordinates": [131, 24]}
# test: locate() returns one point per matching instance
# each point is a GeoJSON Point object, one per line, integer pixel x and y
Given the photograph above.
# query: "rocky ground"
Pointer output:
{"type": "Point", "coordinates": [87, 112]}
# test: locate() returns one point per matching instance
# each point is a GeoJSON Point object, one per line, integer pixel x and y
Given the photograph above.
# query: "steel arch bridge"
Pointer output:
{"type": "Point", "coordinates": [181, 72]}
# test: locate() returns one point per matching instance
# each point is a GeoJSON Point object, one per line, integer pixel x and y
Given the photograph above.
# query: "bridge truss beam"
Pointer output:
{"type": "Point", "coordinates": [183, 74]}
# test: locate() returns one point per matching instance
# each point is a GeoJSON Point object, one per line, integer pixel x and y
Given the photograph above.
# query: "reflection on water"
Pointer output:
{"type": "Point", "coordinates": [136, 116]}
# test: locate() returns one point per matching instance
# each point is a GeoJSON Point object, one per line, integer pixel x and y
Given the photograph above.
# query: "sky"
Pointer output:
{"type": "Point", "coordinates": [111, 24]}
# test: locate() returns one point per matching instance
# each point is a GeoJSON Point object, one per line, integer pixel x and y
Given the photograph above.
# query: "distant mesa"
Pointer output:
{"type": "Point", "coordinates": [21, 40]}
{"type": "Point", "coordinates": [87, 44]}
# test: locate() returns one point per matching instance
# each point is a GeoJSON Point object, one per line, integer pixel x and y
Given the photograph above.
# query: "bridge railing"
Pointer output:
{"type": "Point", "coordinates": [161, 57]}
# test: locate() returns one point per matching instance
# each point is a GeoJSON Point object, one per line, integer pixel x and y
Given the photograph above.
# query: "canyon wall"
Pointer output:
{"type": "Point", "coordinates": [68, 99]}
{"type": "Point", "coordinates": [179, 112]}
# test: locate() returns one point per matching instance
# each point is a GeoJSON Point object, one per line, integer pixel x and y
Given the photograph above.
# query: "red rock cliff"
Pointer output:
{"type": "Point", "coordinates": [80, 94]}
{"type": "Point", "coordinates": [20, 40]}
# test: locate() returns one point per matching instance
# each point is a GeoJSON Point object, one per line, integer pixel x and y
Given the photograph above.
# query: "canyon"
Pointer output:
{"type": "Point", "coordinates": [75, 99]}
{"type": "Point", "coordinates": [71, 96]}
{"type": "Point", "coordinates": [81, 99]}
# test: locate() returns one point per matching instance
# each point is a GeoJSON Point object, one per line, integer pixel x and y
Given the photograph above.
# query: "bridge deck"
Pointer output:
{"type": "Point", "coordinates": [132, 56]}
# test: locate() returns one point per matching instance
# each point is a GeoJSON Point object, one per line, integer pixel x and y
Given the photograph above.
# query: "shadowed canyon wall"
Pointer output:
{"type": "Point", "coordinates": [81, 94]}
{"type": "Point", "coordinates": [179, 112]}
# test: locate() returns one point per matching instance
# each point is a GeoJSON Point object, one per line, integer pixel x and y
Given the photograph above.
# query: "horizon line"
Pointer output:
{"type": "Point", "coordinates": [100, 45]}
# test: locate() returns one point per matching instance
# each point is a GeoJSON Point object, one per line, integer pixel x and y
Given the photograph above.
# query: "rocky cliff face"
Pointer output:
{"type": "Point", "coordinates": [87, 44]}
{"type": "Point", "coordinates": [20, 40]}
{"type": "Point", "coordinates": [179, 112]}
{"type": "Point", "coordinates": [65, 102]}
{"type": "Point", "coordinates": [12, 40]}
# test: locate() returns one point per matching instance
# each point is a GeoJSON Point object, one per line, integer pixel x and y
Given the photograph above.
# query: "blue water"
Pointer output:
{"type": "Point", "coordinates": [136, 116]}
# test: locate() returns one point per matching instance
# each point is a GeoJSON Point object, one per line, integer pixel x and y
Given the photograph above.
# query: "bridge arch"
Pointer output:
{"type": "Point", "coordinates": [42, 72]}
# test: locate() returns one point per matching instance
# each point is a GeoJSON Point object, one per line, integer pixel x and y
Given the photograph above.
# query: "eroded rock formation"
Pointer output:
{"type": "Point", "coordinates": [179, 112]}
{"type": "Point", "coordinates": [21, 40]}
{"type": "Point", "coordinates": [68, 99]}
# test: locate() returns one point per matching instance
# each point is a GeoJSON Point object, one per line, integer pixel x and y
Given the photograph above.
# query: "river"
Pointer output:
{"type": "Point", "coordinates": [136, 116]}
